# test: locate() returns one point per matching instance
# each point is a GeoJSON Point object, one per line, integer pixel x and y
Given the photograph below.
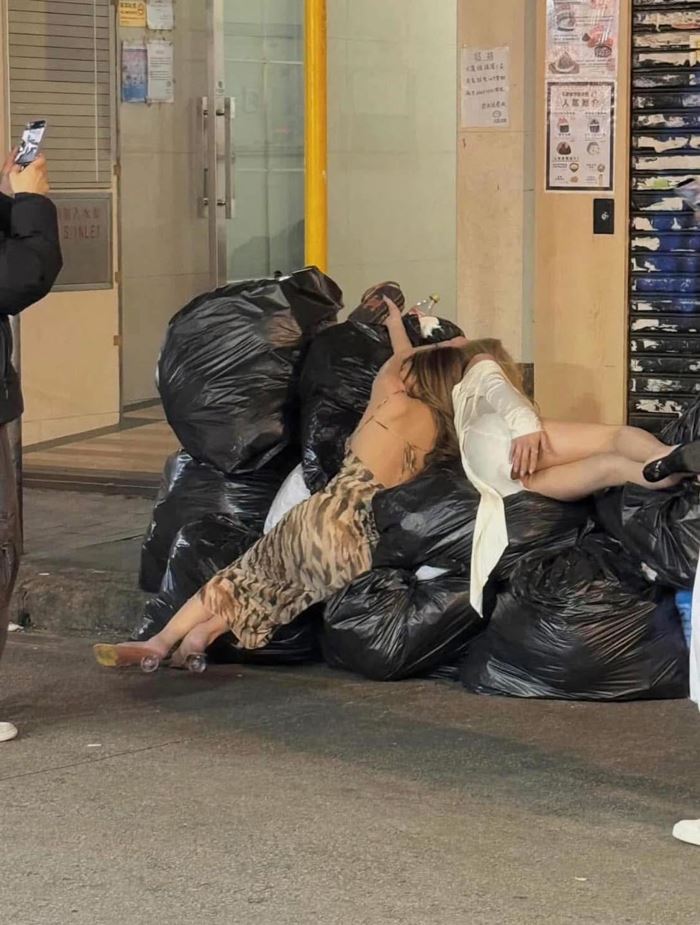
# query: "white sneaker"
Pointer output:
{"type": "Point", "coordinates": [688, 831]}
{"type": "Point", "coordinates": [7, 732]}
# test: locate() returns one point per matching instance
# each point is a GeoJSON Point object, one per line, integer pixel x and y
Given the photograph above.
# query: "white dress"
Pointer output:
{"type": "Point", "coordinates": [489, 414]}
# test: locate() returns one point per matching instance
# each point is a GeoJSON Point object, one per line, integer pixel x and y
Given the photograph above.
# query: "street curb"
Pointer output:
{"type": "Point", "coordinates": [64, 600]}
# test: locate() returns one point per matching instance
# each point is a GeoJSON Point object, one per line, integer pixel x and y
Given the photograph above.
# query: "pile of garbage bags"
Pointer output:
{"type": "Point", "coordinates": [263, 387]}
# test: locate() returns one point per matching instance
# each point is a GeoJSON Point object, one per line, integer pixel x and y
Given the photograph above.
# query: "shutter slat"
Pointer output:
{"type": "Point", "coordinates": [60, 57]}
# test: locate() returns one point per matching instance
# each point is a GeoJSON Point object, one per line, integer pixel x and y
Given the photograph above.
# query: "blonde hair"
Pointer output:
{"type": "Point", "coordinates": [431, 376]}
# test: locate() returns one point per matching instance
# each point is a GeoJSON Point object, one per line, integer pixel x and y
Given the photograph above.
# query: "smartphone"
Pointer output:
{"type": "Point", "coordinates": [32, 137]}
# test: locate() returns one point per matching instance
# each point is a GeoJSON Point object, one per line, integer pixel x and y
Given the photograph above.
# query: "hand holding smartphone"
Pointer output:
{"type": "Point", "coordinates": [32, 137]}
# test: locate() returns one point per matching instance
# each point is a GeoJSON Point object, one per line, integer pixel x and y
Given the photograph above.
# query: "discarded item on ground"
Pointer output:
{"type": "Point", "coordinates": [200, 550]}
{"type": "Point", "coordinates": [228, 371]}
{"type": "Point", "coordinates": [659, 529]}
{"type": "Point", "coordinates": [336, 384]}
{"type": "Point", "coordinates": [684, 606]}
{"type": "Point", "coordinates": [387, 625]}
{"type": "Point", "coordinates": [580, 624]}
{"type": "Point", "coordinates": [190, 490]}
{"type": "Point", "coordinates": [292, 492]}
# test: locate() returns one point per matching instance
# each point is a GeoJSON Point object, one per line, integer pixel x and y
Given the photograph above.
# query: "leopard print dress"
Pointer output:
{"type": "Point", "coordinates": [317, 549]}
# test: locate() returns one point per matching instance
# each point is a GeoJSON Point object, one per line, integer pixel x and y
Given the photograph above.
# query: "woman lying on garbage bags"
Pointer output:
{"type": "Point", "coordinates": [428, 405]}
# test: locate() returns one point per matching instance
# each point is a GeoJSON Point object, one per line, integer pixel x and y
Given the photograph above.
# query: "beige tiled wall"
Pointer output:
{"type": "Point", "coordinates": [496, 186]}
{"type": "Point", "coordinates": [392, 100]}
{"type": "Point", "coordinates": [164, 242]}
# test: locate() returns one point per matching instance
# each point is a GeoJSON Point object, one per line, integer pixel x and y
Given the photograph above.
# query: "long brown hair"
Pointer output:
{"type": "Point", "coordinates": [431, 376]}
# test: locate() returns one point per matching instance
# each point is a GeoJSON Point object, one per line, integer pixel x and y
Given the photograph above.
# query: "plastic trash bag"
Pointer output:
{"type": "Point", "coordinates": [387, 625]}
{"type": "Point", "coordinates": [659, 529]}
{"type": "Point", "coordinates": [200, 550]}
{"type": "Point", "coordinates": [427, 521]}
{"type": "Point", "coordinates": [579, 623]}
{"type": "Point", "coordinates": [292, 493]}
{"type": "Point", "coordinates": [336, 383]}
{"type": "Point", "coordinates": [684, 606]}
{"type": "Point", "coordinates": [228, 370]}
{"type": "Point", "coordinates": [685, 429]}
{"type": "Point", "coordinates": [430, 521]}
{"type": "Point", "coordinates": [189, 491]}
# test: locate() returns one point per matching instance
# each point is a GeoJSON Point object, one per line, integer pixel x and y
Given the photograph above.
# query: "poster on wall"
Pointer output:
{"type": "Point", "coordinates": [132, 14]}
{"type": "Point", "coordinates": [580, 135]}
{"type": "Point", "coordinates": [485, 87]}
{"type": "Point", "coordinates": [134, 72]}
{"type": "Point", "coordinates": [161, 82]}
{"type": "Point", "coordinates": [161, 15]}
{"type": "Point", "coordinates": [582, 39]}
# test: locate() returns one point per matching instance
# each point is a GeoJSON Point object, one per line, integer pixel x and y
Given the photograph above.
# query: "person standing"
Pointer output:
{"type": "Point", "coordinates": [30, 261]}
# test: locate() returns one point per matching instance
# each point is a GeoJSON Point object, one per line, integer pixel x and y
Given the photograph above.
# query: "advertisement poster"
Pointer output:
{"type": "Point", "coordinates": [582, 39]}
{"type": "Point", "coordinates": [132, 13]}
{"type": "Point", "coordinates": [580, 135]}
{"type": "Point", "coordinates": [161, 83]}
{"type": "Point", "coordinates": [485, 87]}
{"type": "Point", "coordinates": [161, 15]}
{"type": "Point", "coordinates": [134, 72]}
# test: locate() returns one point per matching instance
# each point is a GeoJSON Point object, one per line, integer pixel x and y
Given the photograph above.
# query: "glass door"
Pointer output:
{"type": "Point", "coordinates": [253, 169]}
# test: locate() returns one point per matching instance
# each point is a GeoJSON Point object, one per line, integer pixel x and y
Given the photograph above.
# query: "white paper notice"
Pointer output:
{"type": "Point", "coordinates": [160, 72]}
{"type": "Point", "coordinates": [485, 87]}
{"type": "Point", "coordinates": [160, 14]}
{"type": "Point", "coordinates": [580, 135]}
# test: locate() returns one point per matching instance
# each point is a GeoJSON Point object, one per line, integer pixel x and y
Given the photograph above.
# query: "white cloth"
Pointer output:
{"type": "Point", "coordinates": [292, 492]}
{"type": "Point", "coordinates": [695, 642]}
{"type": "Point", "coordinates": [489, 414]}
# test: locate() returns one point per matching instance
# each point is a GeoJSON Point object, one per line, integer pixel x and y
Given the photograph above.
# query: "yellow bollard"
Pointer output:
{"type": "Point", "coordinates": [316, 134]}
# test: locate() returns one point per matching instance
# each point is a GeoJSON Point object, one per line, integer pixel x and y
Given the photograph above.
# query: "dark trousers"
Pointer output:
{"type": "Point", "coordinates": [9, 532]}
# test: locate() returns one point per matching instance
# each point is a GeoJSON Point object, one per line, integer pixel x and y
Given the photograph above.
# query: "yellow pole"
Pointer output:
{"type": "Point", "coordinates": [316, 134]}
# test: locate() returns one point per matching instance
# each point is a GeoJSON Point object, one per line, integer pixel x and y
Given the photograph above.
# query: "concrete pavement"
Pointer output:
{"type": "Point", "coordinates": [261, 796]}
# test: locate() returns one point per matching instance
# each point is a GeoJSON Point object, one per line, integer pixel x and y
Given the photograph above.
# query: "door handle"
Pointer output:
{"type": "Point", "coordinates": [203, 198]}
{"type": "Point", "coordinates": [229, 157]}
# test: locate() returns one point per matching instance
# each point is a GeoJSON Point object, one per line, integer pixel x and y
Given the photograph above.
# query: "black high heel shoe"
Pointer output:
{"type": "Point", "coordinates": [684, 460]}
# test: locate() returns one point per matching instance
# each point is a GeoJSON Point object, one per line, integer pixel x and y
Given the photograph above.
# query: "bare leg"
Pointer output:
{"type": "Point", "coordinates": [572, 442]}
{"type": "Point", "coordinates": [575, 480]}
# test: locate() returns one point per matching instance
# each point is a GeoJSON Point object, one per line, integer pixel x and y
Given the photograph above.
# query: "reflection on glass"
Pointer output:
{"type": "Point", "coordinates": [263, 42]}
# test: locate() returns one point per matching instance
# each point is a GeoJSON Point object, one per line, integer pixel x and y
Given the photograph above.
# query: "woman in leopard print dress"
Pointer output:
{"type": "Point", "coordinates": [325, 543]}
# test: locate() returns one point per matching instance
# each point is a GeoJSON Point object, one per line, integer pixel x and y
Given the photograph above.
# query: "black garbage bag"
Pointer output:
{"type": "Point", "coordinates": [190, 490]}
{"type": "Point", "coordinates": [387, 625]}
{"type": "Point", "coordinates": [427, 521]}
{"type": "Point", "coordinates": [580, 624]}
{"type": "Point", "coordinates": [228, 370]}
{"type": "Point", "coordinates": [659, 529]}
{"type": "Point", "coordinates": [685, 429]}
{"type": "Point", "coordinates": [200, 550]}
{"type": "Point", "coordinates": [430, 521]}
{"type": "Point", "coordinates": [538, 523]}
{"type": "Point", "coordinates": [336, 384]}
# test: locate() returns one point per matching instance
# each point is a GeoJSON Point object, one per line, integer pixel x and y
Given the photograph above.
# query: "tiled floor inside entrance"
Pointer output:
{"type": "Point", "coordinates": [131, 455]}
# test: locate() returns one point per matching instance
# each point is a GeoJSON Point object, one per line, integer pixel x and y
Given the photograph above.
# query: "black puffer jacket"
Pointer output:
{"type": "Point", "coordinates": [30, 261]}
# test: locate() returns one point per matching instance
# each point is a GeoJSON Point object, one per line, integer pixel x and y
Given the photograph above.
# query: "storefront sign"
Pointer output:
{"type": "Point", "coordinates": [580, 135]}
{"type": "Point", "coordinates": [485, 87]}
{"type": "Point", "coordinates": [583, 39]}
{"type": "Point", "coordinates": [132, 13]}
{"type": "Point", "coordinates": [85, 230]}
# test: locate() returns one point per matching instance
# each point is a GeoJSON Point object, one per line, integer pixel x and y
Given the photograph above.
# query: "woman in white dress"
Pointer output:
{"type": "Point", "coordinates": [506, 448]}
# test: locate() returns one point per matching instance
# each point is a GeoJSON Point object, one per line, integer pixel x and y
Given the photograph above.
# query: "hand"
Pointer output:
{"type": "Point", "coordinates": [458, 342]}
{"type": "Point", "coordinates": [525, 453]}
{"type": "Point", "coordinates": [5, 185]}
{"type": "Point", "coordinates": [394, 312]}
{"type": "Point", "coordinates": [33, 179]}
